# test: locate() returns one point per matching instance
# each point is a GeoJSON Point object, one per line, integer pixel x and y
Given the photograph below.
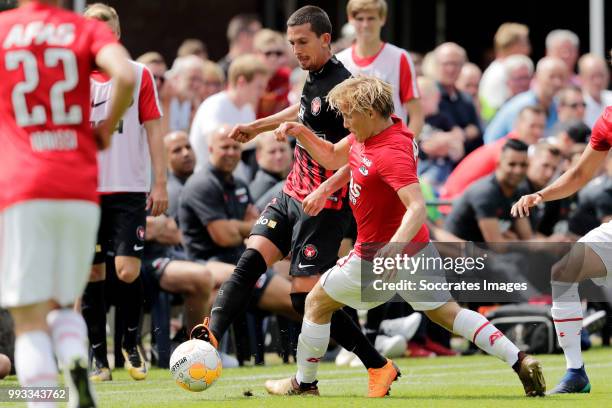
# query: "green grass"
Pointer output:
{"type": "Point", "coordinates": [477, 381]}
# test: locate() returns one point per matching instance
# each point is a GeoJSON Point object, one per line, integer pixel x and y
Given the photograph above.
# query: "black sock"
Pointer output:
{"type": "Point", "coordinates": [132, 298]}
{"type": "Point", "coordinates": [516, 367]}
{"type": "Point", "coordinates": [235, 293]}
{"type": "Point", "coordinates": [372, 324]}
{"type": "Point", "coordinates": [94, 313]}
{"type": "Point", "coordinates": [349, 335]}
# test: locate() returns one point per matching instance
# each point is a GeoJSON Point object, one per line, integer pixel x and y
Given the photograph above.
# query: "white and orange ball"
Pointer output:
{"type": "Point", "coordinates": [195, 365]}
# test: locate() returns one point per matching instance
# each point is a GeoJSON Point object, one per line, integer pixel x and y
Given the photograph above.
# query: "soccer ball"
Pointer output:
{"type": "Point", "coordinates": [195, 365]}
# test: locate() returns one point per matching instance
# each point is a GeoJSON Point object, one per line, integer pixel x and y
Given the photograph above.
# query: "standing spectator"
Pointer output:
{"type": "Point", "coordinates": [157, 65]}
{"type": "Point", "coordinates": [192, 46]}
{"type": "Point", "coordinates": [241, 31]}
{"type": "Point", "coordinates": [272, 48]}
{"type": "Point", "coordinates": [48, 204]}
{"type": "Point", "coordinates": [564, 44]}
{"type": "Point", "coordinates": [594, 78]}
{"type": "Point", "coordinates": [369, 55]}
{"type": "Point", "coordinates": [247, 80]}
{"type": "Point", "coordinates": [482, 213]}
{"type": "Point", "coordinates": [127, 192]}
{"type": "Point", "coordinates": [550, 77]}
{"type": "Point", "coordinates": [468, 82]}
{"type": "Point", "coordinates": [274, 161]}
{"type": "Point", "coordinates": [181, 95]}
{"type": "Point", "coordinates": [529, 128]}
{"type": "Point", "coordinates": [450, 58]}
{"type": "Point", "coordinates": [510, 39]}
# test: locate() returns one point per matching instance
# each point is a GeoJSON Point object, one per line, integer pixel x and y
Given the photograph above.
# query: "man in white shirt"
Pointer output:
{"type": "Point", "coordinates": [247, 81]}
{"type": "Point", "coordinates": [594, 78]}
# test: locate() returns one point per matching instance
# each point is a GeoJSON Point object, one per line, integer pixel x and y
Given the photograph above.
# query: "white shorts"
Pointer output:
{"type": "Point", "coordinates": [600, 241]}
{"type": "Point", "coordinates": [46, 249]}
{"type": "Point", "coordinates": [343, 284]}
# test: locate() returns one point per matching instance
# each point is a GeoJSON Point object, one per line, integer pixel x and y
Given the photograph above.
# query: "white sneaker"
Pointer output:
{"type": "Point", "coordinates": [391, 346]}
{"type": "Point", "coordinates": [403, 326]}
{"type": "Point", "coordinates": [345, 357]}
{"type": "Point", "coordinates": [356, 362]}
{"type": "Point", "coordinates": [595, 321]}
{"type": "Point", "coordinates": [228, 361]}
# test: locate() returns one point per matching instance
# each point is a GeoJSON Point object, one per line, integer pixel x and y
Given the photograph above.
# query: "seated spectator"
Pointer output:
{"type": "Point", "coordinates": [247, 81]}
{"type": "Point", "coordinates": [157, 65]}
{"type": "Point", "coordinates": [565, 45]}
{"type": "Point", "coordinates": [544, 159]}
{"type": "Point", "coordinates": [568, 135]}
{"type": "Point", "coordinates": [274, 161]}
{"type": "Point", "coordinates": [441, 140]}
{"type": "Point", "coordinates": [468, 82]}
{"type": "Point", "coordinates": [181, 94]}
{"type": "Point", "coordinates": [570, 107]}
{"type": "Point", "coordinates": [550, 77]}
{"type": "Point", "coordinates": [450, 58]}
{"type": "Point", "coordinates": [482, 213]}
{"type": "Point", "coordinates": [594, 203]}
{"type": "Point", "coordinates": [594, 79]}
{"type": "Point", "coordinates": [214, 80]}
{"type": "Point", "coordinates": [272, 49]}
{"type": "Point", "coordinates": [511, 39]}
{"type": "Point", "coordinates": [241, 31]}
{"type": "Point", "coordinates": [529, 128]}
{"type": "Point", "coordinates": [192, 46]}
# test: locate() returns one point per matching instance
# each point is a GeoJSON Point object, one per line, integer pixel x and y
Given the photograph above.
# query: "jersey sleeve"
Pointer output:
{"type": "Point", "coordinates": [408, 85]}
{"type": "Point", "coordinates": [602, 131]}
{"type": "Point", "coordinates": [396, 165]}
{"type": "Point", "coordinates": [148, 101]}
{"type": "Point", "coordinates": [101, 36]}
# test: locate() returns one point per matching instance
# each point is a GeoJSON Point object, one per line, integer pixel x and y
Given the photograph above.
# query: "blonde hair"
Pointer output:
{"type": "Point", "coordinates": [362, 94]}
{"type": "Point", "coordinates": [103, 12]}
{"type": "Point", "coordinates": [356, 6]}
{"type": "Point", "coordinates": [246, 66]}
{"type": "Point", "coordinates": [509, 34]}
{"type": "Point", "coordinates": [213, 69]}
{"type": "Point", "coordinates": [266, 37]}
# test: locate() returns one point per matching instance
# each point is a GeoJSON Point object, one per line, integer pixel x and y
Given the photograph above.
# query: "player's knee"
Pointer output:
{"type": "Point", "coordinates": [203, 281]}
{"type": "Point", "coordinates": [128, 273]}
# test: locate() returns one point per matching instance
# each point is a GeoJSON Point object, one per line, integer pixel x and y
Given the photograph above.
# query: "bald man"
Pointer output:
{"type": "Point", "coordinates": [551, 75]}
{"type": "Point", "coordinates": [181, 164]}
{"type": "Point", "coordinates": [594, 79]}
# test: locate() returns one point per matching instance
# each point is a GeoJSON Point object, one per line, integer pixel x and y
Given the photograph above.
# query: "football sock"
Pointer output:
{"type": "Point", "coordinates": [35, 362]}
{"type": "Point", "coordinates": [235, 293]}
{"type": "Point", "coordinates": [567, 315]}
{"type": "Point", "coordinates": [372, 324]}
{"type": "Point", "coordinates": [478, 329]}
{"type": "Point", "coordinates": [349, 335]}
{"type": "Point", "coordinates": [94, 313]}
{"type": "Point", "coordinates": [312, 344]}
{"type": "Point", "coordinates": [69, 335]}
{"type": "Point", "coordinates": [132, 298]}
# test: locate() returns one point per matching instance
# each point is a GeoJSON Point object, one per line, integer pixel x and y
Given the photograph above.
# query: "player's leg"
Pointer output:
{"type": "Point", "coordinates": [586, 260]}
{"type": "Point", "coordinates": [275, 297]}
{"type": "Point", "coordinates": [478, 329]}
{"type": "Point", "coordinates": [194, 281]}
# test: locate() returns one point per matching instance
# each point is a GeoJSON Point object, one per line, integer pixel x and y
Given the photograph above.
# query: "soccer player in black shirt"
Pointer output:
{"type": "Point", "coordinates": [284, 227]}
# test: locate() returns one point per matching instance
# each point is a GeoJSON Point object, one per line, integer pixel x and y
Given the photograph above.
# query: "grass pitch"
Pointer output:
{"type": "Point", "coordinates": [476, 381]}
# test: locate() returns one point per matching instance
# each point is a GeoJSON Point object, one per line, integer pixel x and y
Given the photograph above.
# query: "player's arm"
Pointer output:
{"type": "Point", "coordinates": [245, 132]}
{"type": "Point", "coordinates": [566, 185]}
{"type": "Point", "coordinates": [329, 155]}
{"type": "Point", "coordinates": [157, 201]}
{"type": "Point", "coordinates": [229, 233]}
{"type": "Point", "coordinates": [489, 228]}
{"type": "Point", "coordinates": [415, 215]}
{"type": "Point", "coordinates": [315, 201]}
{"type": "Point", "coordinates": [113, 59]}
{"type": "Point", "coordinates": [415, 115]}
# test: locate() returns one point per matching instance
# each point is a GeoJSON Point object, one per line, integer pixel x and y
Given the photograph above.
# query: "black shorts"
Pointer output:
{"type": "Point", "coordinates": [122, 225]}
{"type": "Point", "coordinates": [312, 241]}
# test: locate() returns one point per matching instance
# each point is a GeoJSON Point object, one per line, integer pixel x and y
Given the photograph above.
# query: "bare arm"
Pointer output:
{"type": "Point", "coordinates": [415, 216]}
{"type": "Point", "coordinates": [113, 59]}
{"type": "Point", "coordinates": [315, 201]}
{"type": "Point", "coordinates": [329, 155]}
{"type": "Point", "coordinates": [229, 233]}
{"type": "Point", "coordinates": [246, 132]}
{"type": "Point", "coordinates": [157, 201]}
{"type": "Point", "coordinates": [415, 114]}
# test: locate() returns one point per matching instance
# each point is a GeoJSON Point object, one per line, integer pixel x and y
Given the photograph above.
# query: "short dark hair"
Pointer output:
{"type": "Point", "coordinates": [317, 17]}
{"type": "Point", "coordinates": [516, 145]}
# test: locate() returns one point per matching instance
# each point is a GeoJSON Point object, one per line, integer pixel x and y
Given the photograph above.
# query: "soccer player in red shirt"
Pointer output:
{"type": "Point", "coordinates": [386, 200]}
{"type": "Point", "coordinates": [48, 201]}
{"type": "Point", "coordinates": [591, 258]}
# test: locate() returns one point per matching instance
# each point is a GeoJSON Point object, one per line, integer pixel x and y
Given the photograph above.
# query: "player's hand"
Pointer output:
{"type": "Point", "coordinates": [157, 201]}
{"type": "Point", "coordinates": [243, 133]}
{"type": "Point", "coordinates": [314, 202]}
{"type": "Point", "coordinates": [102, 137]}
{"type": "Point", "coordinates": [521, 207]}
{"type": "Point", "coordinates": [288, 128]}
{"type": "Point", "coordinates": [390, 250]}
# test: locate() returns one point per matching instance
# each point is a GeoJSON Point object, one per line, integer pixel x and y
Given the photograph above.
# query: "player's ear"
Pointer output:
{"type": "Point", "coordinates": [326, 38]}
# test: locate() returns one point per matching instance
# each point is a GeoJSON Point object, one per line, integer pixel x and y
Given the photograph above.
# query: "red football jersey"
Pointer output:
{"type": "Point", "coordinates": [381, 166]}
{"type": "Point", "coordinates": [601, 137]}
{"type": "Point", "coordinates": [48, 150]}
